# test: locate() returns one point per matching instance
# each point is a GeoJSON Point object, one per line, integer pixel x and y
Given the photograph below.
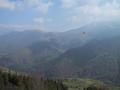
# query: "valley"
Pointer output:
{"type": "Point", "coordinates": [91, 51]}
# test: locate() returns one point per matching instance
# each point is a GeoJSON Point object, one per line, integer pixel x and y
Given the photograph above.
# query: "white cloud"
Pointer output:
{"type": "Point", "coordinates": [39, 20]}
{"type": "Point", "coordinates": [44, 7]}
{"type": "Point", "coordinates": [75, 19]}
{"type": "Point", "coordinates": [7, 26]}
{"type": "Point", "coordinates": [20, 27]}
{"type": "Point", "coordinates": [92, 10]}
{"type": "Point", "coordinates": [39, 5]}
{"type": "Point", "coordinates": [69, 3]}
{"type": "Point", "coordinates": [7, 4]}
{"type": "Point", "coordinates": [42, 20]}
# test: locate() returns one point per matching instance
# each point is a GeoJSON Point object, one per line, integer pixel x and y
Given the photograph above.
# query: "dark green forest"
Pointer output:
{"type": "Point", "coordinates": [15, 81]}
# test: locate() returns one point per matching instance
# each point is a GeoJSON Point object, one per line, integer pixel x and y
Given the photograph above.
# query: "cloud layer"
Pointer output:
{"type": "Point", "coordinates": [7, 4]}
{"type": "Point", "coordinates": [61, 13]}
{"type": "Point", "coordinates": [39, 5]}
{"type": "Point", "coordinates": [92, 10]}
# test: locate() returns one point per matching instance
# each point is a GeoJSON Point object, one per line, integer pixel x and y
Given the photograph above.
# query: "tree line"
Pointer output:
{"type": "Point", "coordinates": [16, 81]}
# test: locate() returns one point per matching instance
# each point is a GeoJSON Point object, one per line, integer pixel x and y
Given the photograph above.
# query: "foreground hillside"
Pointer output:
{"type": "Point", "coordinates": [10, 80]}
{"type": "Point", "coordinates": [85, 84]}
{"type": "Point", "coordinates": [15, 81]}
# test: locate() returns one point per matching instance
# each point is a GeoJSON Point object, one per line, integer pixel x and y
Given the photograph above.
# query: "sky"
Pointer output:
{"type": "Point", "coordinates": [55, 15]}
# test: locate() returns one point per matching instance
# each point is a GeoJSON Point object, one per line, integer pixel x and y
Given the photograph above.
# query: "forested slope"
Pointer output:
{"type": "Point", "coordinates": [10, 80]}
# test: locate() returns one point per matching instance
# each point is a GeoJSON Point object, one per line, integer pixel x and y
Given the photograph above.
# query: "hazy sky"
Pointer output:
{"type": "Point", "coordinates": [55, 15]}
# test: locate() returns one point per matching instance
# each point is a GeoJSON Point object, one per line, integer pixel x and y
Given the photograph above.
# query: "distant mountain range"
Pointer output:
{"type": "Point", "coordinates": [90, 51]}
{"type": "Point", "coordinates": [97, 59]}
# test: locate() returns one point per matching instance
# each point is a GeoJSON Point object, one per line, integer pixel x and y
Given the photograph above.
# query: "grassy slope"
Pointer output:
{"type": "Point", "coordinates": [79, 84]}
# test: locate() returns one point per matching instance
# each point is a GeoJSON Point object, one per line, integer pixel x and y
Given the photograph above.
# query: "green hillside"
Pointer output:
{"type": "Point", "coordinates": [83, 84]}
{"type": "Point", "coordinates": [10, 80]}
